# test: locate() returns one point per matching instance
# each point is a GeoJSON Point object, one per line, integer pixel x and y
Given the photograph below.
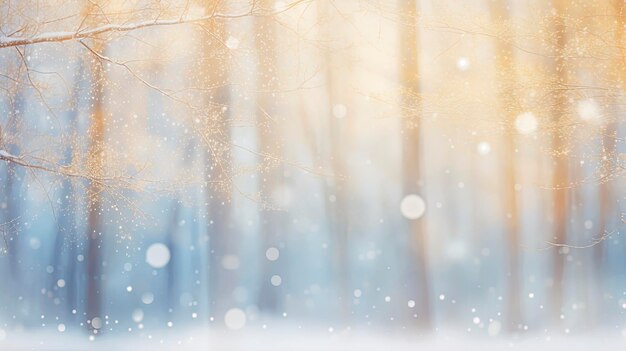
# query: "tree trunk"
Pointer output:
{"type": "Point", "coordinates": [338, 186]}
{"type": "Point", "coordinates": [218, 170]}
{"type": "Point", "coordinates": [96, 167]}
{"type": "Point", "coordinates": [607, 213]}
{"type": "Point", "coordinates": [272, 178]}
{"type": "Point", "coordinates": [12, 187]}
{"type": "Point", "coordinates": [412, 154]}
{"type": "Point", "coordinates": [64, 254]}
{"type": "Point", "coordinates": [509, 107]}
{"type": "Point", "coordinates": [559, 174]}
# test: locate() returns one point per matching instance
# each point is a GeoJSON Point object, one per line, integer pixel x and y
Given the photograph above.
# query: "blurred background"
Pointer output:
{"type": "Point", "coordinates": [406, 166]}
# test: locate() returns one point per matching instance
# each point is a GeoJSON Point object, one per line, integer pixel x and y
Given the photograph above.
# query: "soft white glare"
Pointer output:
{"type": "Point", "coordinates": [230, 262]}
{"type": "Point", "coordinates": [483, 148]}
{"type": "Point", "coordinates": [232, 43]}
{"type": "Point", "coordinates": [412, 206]}
{"type": "Point", "coordinates": [96, 323]}
{"type": "Point", "coordinates": [272, 254]}
{"type": "Point", "coordinates": [588, 110]}
{"type": "Point", "coordinates": [158, 255]}
{"type": "Point", "coordinates": [526, 123]}
{"type": "Point", "coordinates": [276, 280]}
{"type": "Point", "coordinates": [494, 328]}
{"type": "Point", "coordinates": [340, 110]}
{"type": "Point", "coordinates": [147, 298]}
{"type": "Point", "coordinates": [462, 63]}
{"type": "Point", "coordinates": [280, 6]}
{"type": "Point", "coordinates": [282, 196]}
{"type": "Point", "coordinates": [235, 319]}
{"type": "Point", "coordinates": [35, 244]}
{"type": "Point", "coordinates": [456, 250]}
{"type": "Point", "coordinates": [137, 315]}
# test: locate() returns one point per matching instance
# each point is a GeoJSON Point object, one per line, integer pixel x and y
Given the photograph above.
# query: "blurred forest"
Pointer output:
{"type": "Point", "coordinates": [405, 166]}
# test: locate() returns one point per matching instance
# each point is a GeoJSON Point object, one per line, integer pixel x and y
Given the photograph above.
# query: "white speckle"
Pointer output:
{"type": "Point", "coordinates": [456, 250]}
{"type": "Point", "coordinates": [442, 297]}
{"type": "Point", "coordinates": [387, 298]}
{"type": "Point", "coordinates": [80, 258]}
{"type": "Point", "coordinates": [232, 43]}
{"type": "Point", "coordinates": [462, 64]}
{"type": "Point", "coordinates": [276, 280]}
{"type": "Point", "coordinates": [128, 267]}
{"type": "Point", "coordinates": [494, 328]}
{"type": "Point", "coordinates": [272, 254]}
{"type": "Point", "coordinates": [230, 262]}
{"type": "Point", "coordinates": [158, 255]}
{"type": "Point", "coordinates": [61, 327]}
{"type": "Point", "coordinates": [283, 196]}
{"type": "Point", "coordinates": [35, 244]}
{"type": "Point", "coordinates": [129, 288]}
{"type": "Point", "coordinates": [235, 319]}
{"type": "Point", "coordinates": [588, 110]}
{"type": "Point", "coordinates": [531, 295]}
{"type": "Point", "coordinates": [340, 110]}
{"type": "Point", "coordinates": [96, 323]}
{"type": "Point", "coordinates": [588, 224]}
{"type": "Point", "coordinates": [412, 206]}
{"type": "Point", "coordinates": [411, 304]}
{"type": "Point", "coordinates": [526, 123]}
{"type": "Point", "coordinates": [357, 293]}
{"type": "Point", "coordinates": [61, 283]}
{"type": "Point", "coordinates": [147, 298]}
{"type": "Point", "coordinates": [476, 320]}
{"type": "Point", "coordinates": [137, 315]}
{"type": "Point", "coordinates": [483, 148]}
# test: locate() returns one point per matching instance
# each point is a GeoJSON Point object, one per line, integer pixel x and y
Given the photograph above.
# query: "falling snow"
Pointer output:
{"type": "Point", "coordinates": [312, 175]}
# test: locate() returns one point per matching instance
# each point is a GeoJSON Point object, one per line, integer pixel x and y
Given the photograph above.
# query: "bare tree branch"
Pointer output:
{"type": "Point", "coordinates": [7, 41]}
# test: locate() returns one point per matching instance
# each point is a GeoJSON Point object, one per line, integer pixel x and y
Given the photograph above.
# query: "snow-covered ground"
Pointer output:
{"type": "Point", "coordinates": [297, 340]}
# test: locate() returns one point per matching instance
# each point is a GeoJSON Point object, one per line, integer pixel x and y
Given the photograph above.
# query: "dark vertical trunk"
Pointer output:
{"type": "Point", "coordinates": [95, 164]}
{"type": "Point", "coordinates": [64, 254]}
{"type": "Point", "coordinates": [412, 154]}
{"type": "Point", "coordinates": [338, 186]}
